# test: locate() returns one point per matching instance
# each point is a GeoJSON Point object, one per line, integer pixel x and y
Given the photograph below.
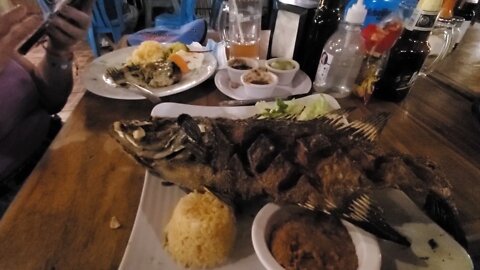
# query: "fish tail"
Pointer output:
{"type": "Point", "coordinates": [444, 214]}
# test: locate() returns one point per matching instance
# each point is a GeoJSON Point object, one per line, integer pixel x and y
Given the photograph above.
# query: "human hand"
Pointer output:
{"type": "Point", "coordinates": [16, 26]}
{"type": "Point", "coordinates": [68, 26]}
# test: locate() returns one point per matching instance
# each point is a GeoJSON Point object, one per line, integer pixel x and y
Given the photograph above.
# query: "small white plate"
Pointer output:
{"type": "Point", "coordinates": [93, 80]}
{"type": "Point", "coordinates": [366, 245]}
{"type": "Point", "coordinates": [301, 84]}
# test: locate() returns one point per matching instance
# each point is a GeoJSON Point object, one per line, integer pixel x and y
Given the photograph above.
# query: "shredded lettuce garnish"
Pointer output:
{"type": "Point", "coordinates": [300, 110]}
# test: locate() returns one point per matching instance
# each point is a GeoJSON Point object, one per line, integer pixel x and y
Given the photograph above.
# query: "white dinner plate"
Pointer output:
{"type": "Point", "coordinates": [410, 221]}
{"type": "Point", "coordinates": [145, 247]}
{"type": "Point", "coordinates": [93, 76]}
{"type": "Point", "coordinates": [301, 84]}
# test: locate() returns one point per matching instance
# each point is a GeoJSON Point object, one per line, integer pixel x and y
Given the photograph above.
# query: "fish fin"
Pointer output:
{"type": "Point", "coordinates": [190, 127]}
{"type": "Point", "coordinates": [367, 130]}
{"type": "Point", "coordinates": [337, 118]}
{"type": "Point", "coordinates": [363, 212]}
{"type": "Point", "coordinates": [196, 144]}
{"type": "Point", "coordinates": [444, 214]}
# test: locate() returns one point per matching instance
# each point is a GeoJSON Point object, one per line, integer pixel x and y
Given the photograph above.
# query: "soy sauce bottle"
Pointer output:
{"type": "Point", "coordinates": [323, 25]}
{"type": "Point", "coordinates": [408, 54]}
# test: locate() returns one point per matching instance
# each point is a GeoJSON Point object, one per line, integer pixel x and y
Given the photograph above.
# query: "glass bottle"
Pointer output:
{"type": "Point", "coordinates": [377, 10]}
{"type": "Point", "coordinates": [342, 55]}
{"type": "Point", "coordinates": [408, 54]}
{"type": "Point", "coordinates": [447, 9]}
{"type": "Point", "coordinates": [323, 25]}
{"type": "Point", "coordinates": [466, 10]}
{"type": "Point", "coordinates": [457, 36]}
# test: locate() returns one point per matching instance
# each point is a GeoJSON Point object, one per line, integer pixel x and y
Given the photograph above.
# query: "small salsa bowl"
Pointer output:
{"type": "Point", "coordinates": [236, 67]}
{"type": "Point", "coordinates": [284, 68]}
{"type": "Point", "coordinates": [366, 245]}
{"type": "Point", "coordinates": [259, 83]}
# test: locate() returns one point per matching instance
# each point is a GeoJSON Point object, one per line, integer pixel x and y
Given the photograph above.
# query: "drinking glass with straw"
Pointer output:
{"type": "Point", "coordinates": [239, 24]}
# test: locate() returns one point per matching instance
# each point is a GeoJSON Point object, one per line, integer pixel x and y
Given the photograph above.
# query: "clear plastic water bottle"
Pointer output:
{"type": "Point", "coordinates": [342, 55]}
{"type": "Point", "coordinates": [378, 10]}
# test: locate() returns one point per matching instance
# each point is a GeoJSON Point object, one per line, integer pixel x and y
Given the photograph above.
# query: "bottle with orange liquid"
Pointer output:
{"type": "Point", "coordinates": [447, 9]}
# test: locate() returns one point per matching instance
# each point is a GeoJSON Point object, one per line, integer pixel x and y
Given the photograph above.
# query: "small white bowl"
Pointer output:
{"type": "Point", "coordinates": [285, 77]}
{"type": "Point", "coordinates": [235, 74]}
{"type": "Point", "coordinates": [366, 245]}
{"type": "Point", "coordinates": [259, 90]}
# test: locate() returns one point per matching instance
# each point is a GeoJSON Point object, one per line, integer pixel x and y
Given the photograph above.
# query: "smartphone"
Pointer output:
{"type": "Point", "coordinates": [42, 30]}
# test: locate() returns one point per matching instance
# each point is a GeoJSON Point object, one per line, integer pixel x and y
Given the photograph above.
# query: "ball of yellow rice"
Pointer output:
{"type": "Point", "coordinates": [148, 51]}
{"type": "Point", "coordinates": [201, 232]}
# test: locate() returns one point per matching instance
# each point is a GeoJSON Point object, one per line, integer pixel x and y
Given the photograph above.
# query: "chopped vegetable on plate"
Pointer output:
{"type": "Point", "coordinates": [296, 109]}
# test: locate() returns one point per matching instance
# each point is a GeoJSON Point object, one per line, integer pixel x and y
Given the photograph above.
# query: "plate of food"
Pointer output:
{"type": "Point", "coordinates": [147, 248]}
{"type": "Point", "coordinates": [164, 69]}
{"type": "Point", "coordinates": [289, 154]}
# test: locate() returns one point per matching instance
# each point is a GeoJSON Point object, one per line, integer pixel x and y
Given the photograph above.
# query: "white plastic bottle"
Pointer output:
{"type": "Point", "coordinates": [342, 55]}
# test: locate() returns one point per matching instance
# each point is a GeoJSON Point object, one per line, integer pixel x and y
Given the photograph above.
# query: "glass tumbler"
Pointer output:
{"type": "Point", "coordinates": [441, 43]}
{"type": "Point", "coordinates": [239, 24]}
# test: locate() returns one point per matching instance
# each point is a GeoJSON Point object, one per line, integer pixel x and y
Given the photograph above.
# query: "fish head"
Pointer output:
{"type": "Point", "coordinates": [150, 140]}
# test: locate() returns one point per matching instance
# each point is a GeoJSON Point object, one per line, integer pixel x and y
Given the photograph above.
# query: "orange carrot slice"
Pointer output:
{"type": "Point", "coordinates": [181, 63]}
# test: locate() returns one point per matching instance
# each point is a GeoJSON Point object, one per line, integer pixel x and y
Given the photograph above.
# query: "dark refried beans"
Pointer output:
{"type": "Point", "coordinates": [318, 242]}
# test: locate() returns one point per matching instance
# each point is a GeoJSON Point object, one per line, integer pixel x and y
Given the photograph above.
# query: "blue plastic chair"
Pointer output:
{"type": "Point", "coordinates": [195, 31]}
{"type": "Point", "coordinates": [185, 15]}
{"type": "Point", "coordinates": [106, 19]}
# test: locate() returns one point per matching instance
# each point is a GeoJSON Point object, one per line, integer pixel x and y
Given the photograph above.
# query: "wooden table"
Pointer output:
{"type": "Point", "coordinates": [60, 218]}
{"type": "Point", "coordinates": [461, 69]}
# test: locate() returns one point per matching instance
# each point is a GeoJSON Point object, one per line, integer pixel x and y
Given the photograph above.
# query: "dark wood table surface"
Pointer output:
{"type": "Point", "coordinates": [60, 218]}
{"type": "Point", "coordinates": [460, 70]}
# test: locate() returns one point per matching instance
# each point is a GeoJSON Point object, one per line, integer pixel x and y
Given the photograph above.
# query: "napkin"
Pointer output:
{"type": "Point", "coordinates": [218, 50]}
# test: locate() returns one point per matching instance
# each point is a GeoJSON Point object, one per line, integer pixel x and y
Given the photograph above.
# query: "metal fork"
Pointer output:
{"type": "Point", "coordinates": [116, 77]}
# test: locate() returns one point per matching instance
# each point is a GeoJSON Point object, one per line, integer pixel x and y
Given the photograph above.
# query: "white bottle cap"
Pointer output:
{"type": "Point", "coordinates": [356, 13]}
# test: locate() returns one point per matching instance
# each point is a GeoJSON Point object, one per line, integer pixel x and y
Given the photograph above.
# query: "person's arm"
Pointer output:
{"type": "Point", "coordinates": [54, 73]}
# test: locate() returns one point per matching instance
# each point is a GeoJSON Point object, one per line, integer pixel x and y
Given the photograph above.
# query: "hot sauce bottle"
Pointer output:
{"type": "Point", "coordinates": [409, 53]}
{"type": "Point", "coordinates": [447, 9]}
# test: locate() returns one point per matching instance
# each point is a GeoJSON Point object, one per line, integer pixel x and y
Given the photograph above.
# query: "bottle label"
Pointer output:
{"type": "Point", "coordinates": [323, 68]}
{"type": "Point", "coordinates": [421, 20]}
{"type": "Point", "coordinates": [404, 81]}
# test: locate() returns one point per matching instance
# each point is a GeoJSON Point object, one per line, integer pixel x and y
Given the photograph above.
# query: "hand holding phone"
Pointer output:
{"type": "Point", "coordinates": [71, 16]}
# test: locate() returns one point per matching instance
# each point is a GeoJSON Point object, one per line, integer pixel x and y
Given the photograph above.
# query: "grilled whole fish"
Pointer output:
{"type": "Point", "coordinates": [319, 163]}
